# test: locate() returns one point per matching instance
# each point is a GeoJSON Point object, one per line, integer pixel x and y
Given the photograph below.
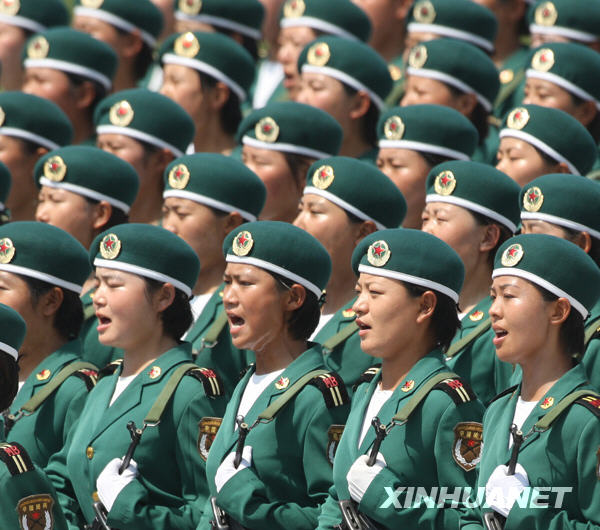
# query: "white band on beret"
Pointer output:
{"type": "Point", "coordinates": [267, 265]}
{"type": "Point", "coordinates": [570, 33]}
{"type": "Point", "coordinates": [554, 219]}
{"type": "Point", "coordinates": [534, 278]}
{"type": "Point", "coordinates": [115, 264]}
{"type": "Point", "coordinates": [87, 192]}
{"type": "Point", "coordinates": [564, 83]}
{"type": "Point", "coordinates": [22, 22]}
{"type": "Point", "coordinates": [286, 148]}
{"type": "Point", "coordinates": [332, 197]}
{"type": "Point", "coordinates": [72, 68]}
{"type": "Point", "coordinates": [7, 348]}
{"type": "Point", "coordinates": [208, 201]}
{"type": "Point", "coordinates": [171, 58]}
{"type": "Point", "coordinates": [33, 273]}
{"type": "Point", "coordinates": [470, 205]}
{"type": "Point", "coordinates": [423, 147]}
{"type": "Point", "coordinates": [319, 24]}
{"type": "Point", "coordinates": [451, 80]}
{"type": "Point", "coordinates": [138, 135]}
{"type": "Point", "coordinates": [395, 275]}
{"type": "Point", "coordinates": [221, 22]}
{"type": "Point", "coordinates": [115, 20]}
{"type": "Point", "coordinates": [536, 142]}
{"type": "Point", "coordinates": [453, 33]}
{"type": "Point", "coordinates": [29, 136]}
{"type": "Point", "coordinates": [344, 78]}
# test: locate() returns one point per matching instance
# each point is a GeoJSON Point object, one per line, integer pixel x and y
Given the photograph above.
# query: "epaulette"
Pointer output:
{"type": "Point", "coordinates": [333, 389]}
{"type": "Point", "coordinates": [509, 390]}
{"type": "Point", "coordinates": [590, 402]}
{"type": "Point", "coordinates": [110, 368]}
{"type": "Point", "coordinates": [460, 391]}
{"type": "Point", "coordinates": [16, 458]}
{"type": "Point", "coordinates": [89, 377]}
{"type": "Point", "coordinates": [367, 376]}
{"type": "Point", "coordinates": [245, 371]}
{"type": "Point", "coordinates": [213, 386]}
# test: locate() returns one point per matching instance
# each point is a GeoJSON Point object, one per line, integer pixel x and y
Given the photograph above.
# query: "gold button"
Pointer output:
{"type": "Point", "coordinates": [89, 452]}
{"type": "Point", "coordinates": [95, 497]}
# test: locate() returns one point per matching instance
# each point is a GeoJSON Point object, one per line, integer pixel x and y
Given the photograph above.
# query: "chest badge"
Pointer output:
{"type": "Point", "coordinates": [547, 403]}
{"type": "Point", "coordinates": [408, 386]}
{"type": "Point", "coordinates": [282, 383]}
{"type": "Point", "coordinates": [43, 375]}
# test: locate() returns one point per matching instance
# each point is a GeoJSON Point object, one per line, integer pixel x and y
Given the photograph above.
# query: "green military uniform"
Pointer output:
{"type": "Point", "coordinates": [512, 82]}
{"type": "Point", "coordinates": [396, 67]}
{"type": "Point", "coordinates": [591, 356]}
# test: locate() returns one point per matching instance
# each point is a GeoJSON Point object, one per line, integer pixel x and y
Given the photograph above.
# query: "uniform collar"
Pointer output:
{"type": "Point", "coordinates": [476, 316]}
{"type": "Point", "coordinates": [206, 318]}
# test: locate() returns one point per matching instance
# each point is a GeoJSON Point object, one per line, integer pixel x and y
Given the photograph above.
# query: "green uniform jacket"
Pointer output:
{"type": "Point", "coordinates": [486, 152]}
{"type": "Point", "coordinates": [565, 455]}
{"type": "Point", "coordinates": [227, 360]}
{"type": "Point", "coordinates": [171, 470]}
{"type": "Point", "coordinates": [93, 350]}
{"type": "Point", "coordinates": [418, 453]}
{"type": "Point", "coordinates": [591, 358]}
{"type": "Point", "coordinates": [477, 362]}
{"type": "Point", "coordinates": [290, 472]}
{"type": "Point", "coordinates": [44, 432]}
{"type": "Point", "coordinates": [346, 358]}
{"type": "Point", "coordinates": [512, 79]}
{"type": "Point", "coordinates": [27, 495]}
{"type": "Point", "coordinates": [397, 70]}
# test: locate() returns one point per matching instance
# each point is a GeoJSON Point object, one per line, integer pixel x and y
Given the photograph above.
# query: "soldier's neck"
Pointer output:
{"type": "Point", "coordinates": [35, 350]}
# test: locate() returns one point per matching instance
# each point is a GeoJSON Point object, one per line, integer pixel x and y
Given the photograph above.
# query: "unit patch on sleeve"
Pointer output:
{"type": "Point", "coordinates": [207, 431]}
{"type": "Point", "coordinates": [468, 440]}
{"type": "Point", "coordinates": [333, 440]}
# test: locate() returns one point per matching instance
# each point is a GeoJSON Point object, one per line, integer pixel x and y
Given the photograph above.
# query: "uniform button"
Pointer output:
{"type": "Point", "coordinates": [95, 497]}
{"type": "Point", "coordinates": [89, 452]}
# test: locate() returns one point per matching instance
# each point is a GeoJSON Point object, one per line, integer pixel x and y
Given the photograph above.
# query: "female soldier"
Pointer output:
{"type": "Point", "coordinates": [414, 139]}
{"type": "Point", "coordinates": [141, 302]}
{"type": "Point", "coordinates": [406, 315]}
{"type": "Point", "coordinates": [280, 142]}
{"type": "Point", "coordinates": [350, 81]}
{"type": "Point", "coordinates": [473, 207]}
{"type": "Point", "coordinates": [543, 433]}
{"type": "Point", "coordinates": [344, 200]}
{"type": "Point", "coordinates": [268, 468]}
{"type": "Point", "coordinates": [538, 140]}
{"type": "Point", "coordinates": [42, 269]}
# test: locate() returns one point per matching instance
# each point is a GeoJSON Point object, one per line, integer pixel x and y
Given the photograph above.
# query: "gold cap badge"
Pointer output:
{"type": "Point", "coordinates": [179, 177]}
{"type": "Point", "coordinates": [533, 199]}
{"type": "Point", "coordinates": [121, 114]}
{"type": "Point", "coordinates": [38, 48]}
{"type": "Point", "coordinates": [7, 250]}
{"type": "Point", "coordinates": [408, 386]}
{"type": "Point", "coordinates": [546, 14]}
{"type": "Point", "coordinates": [110, 246]}
{"type": "Point", "coordinates": [266, 130]}
{"type": "Point", "coordinates": [10, 7]}
{"type": "Point", "coordinates": [394, 128]}
{"type": "Point", "coordinates": [318, 54]}
{"type": "Point", "coordinates": [2, 116]}
{"type": "Point", "coordinates": [518, 118]}
{"type": "Point", "coordinates": [512, 255]}
{"type": "Point", "coordinates": [506, 76]}
{"type": "Point", "coordinates": [418, 56]}
{"type": "Point", "coordinates": [186, 45]}
{"type": "Point", "coordinates": [43, 375]}
{"type": "Point", "coordinates": [294, 8]}
{"type": "Point", "coordinates": [543, 60]}
{"type": "Point", "coordinates": [547, 403]}
{"type": "Point", "coordinates": [445, 183]}
{"type": "Point", "coordinates": [282, 383]}
{"type": "Point", "coordinates": [378, 253]}
{"type": "Point", "coordinates": [55, 169]}
{"type": "Point", "coordinates": [154, 372]}
{"type": "Point", "coordinates": [93, 4]}
{"type": "Point", "coordinates": [190, 7]}
{"type": "Point", "coordinates": [424, 12]}
{"type": "Point", "coordinates": [323, 177]}
{"type": "Point", "coordinates": [242, 243]}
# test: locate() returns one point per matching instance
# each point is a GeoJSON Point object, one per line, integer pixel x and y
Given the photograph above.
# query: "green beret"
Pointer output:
{"type": "Point", "coordinates": [217, 181]}
{"type": "Point", "coordinates": [458, 64]}
{"type": "Point", "coordinates": [429, 129]}
{"type": "Point", "coordinates": [359, 188]}
{"type": "Point", "coordinates": [146, 116]}
{"type": "Point", "coordinates": [12, 331]}
{"type": "Point", "coordinates": [573, 67]}
{"type": "Point", "coordinates": [90, 172]}
{"type": "Point", "coordinates": [212, 54]}
{"type": "Point", "coordinates": [555, 133]}
{"type": "Point", "coordinates": [72, 52]}
{"type": "Point", "coordinates": [568, 201]}
{"type": "Point", "coordinates": [283, 249]}
{"type": "Point", "coordinates": [554, 264]}
{"type": "Point", "coordinates": [353, 63]}
{"type": "Point", "coordinates": [577, 20]}
{"type": "Point", "coordinates": [5, 185]}
{"type": "Point", "coordinates": [477, 187]}
{"type": "Point", "coordinates": [139, 16]}
{"type": "Point", "coordinates": [457, 19]}
{"type": "Point", "coordinates": [241, 16]}
{"type": "Point", "coordinates": [149, 251]}
{"type": "Point", "coordinates": [292, 128]}
{"type": "Point", "coordinates": [411, 256]}
{"type": "Point", "coordinates": [333, 17]}
{"type": "Point", "coordinates": [34, 119]}
{"type": "Point", "coordinates": [43, 252]}
{"type": "Point", "coordinates": [33, 15]}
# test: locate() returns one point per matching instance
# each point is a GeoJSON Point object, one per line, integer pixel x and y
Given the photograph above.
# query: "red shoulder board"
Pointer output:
{"type": "Point", "coordinates": [213, 386]}
{"type": "Point", "coordinates": [333, 389]}
{"type": "Point", "coordinates": [590, 402]}
{"type": "Point", "coordinates": [460, 391]}
{"type": "Point", "coordinates": [16, 458]}
{"type": "Point", "coordinates": [110, 368]}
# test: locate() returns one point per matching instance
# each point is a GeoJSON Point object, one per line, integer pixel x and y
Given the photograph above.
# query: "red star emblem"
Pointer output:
{"type": "Point", "coordinates": [532, 196]}
{"type": "Point", "coordinates": [445, 180]}
{"type": "Point", "coordinates": [267, 128]}
{"type": "Point", "coordinates": [393, 126]}
{"type": "Point", "coordinates": [512, 252]}
{"type": "Point", "coordinates": [4, 247]}
{"type": "Point", "coordinates": [109, 243]}
{"type": "Point", "coordinates": [323, 174]}
{"type": "Point", "coordinates": [546, 12]}
{"type": "Point", "coordinates": [122, 111]}
{"type": "Point", "coordinates": [424, 11]}
{"type": "Point", "coordinates": [379, 250]}
{"type": "Point", "coordinates": [179, 172]}
{"type": "Point", "coordinates": [471, 443]}
{"type": "Point", "coordinates": [546, 401]}
{"type": "Point", "coordinates": [318, 52]}
{"type": "Point", "coordinates": [242, 239]}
